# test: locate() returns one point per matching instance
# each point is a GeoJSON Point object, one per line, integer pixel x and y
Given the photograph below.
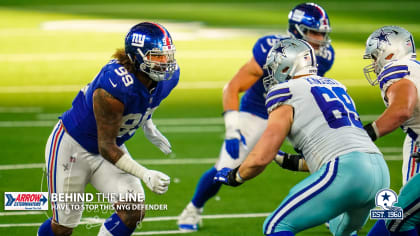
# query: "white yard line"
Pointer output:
{"type": "Point", "coordinates": [103, 56]}
{"type": "Point", "coordinates": [22, 166]}
{"type": "Point", "coordinates": [166, 125]}
{"type": "Point", "coordinates": [91, 220]}
{"type": "Point", "coordinates": [20, 225]}
{"type": "Point", "coordinates": [21, 109]}
{"type": "Point", "coordinates": [75, 88]}
{"type": "Point", "coordinates": [20, 213]}
{"type": "Point", "coordinates": [165, 129]}
{"type": "Point", "coordinates": [29, 123]}
{"type": "Point", "coordinates": [187, 161]}
{"type": "Point", "coordinates": [183, 161]}
{"type": "Point", "coordinates": [162, 232]}
{"type": "Point", "coordinates": [157, 121]}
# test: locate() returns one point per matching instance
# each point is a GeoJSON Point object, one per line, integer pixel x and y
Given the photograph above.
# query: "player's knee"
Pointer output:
{"type": "Point", "coordinates": [60, 230]}
{"type": "Point", "coordinates": [133, 216]}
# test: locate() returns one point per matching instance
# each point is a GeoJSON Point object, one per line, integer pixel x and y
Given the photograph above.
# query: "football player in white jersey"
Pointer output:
{"type": "Point", "coordinates": [320, 120]}
{"type": "Point", "coordinates": [395, 68]}
{"type": "Point", "coordinates": [245, 119]}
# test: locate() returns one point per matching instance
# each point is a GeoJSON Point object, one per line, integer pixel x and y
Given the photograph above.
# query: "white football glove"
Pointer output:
{"type": "Point", "coordinates": [231, 118]}
{"type": "Point", "coordinates": [156, 181]}
{"type": "Point", "coordinates": [156, 137]}
{"type": "Point", "coordinates": [233, 136]}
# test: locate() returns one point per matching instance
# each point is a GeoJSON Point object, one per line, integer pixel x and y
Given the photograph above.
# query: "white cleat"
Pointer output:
{"type": "Point", "coordinates": [190, 218]}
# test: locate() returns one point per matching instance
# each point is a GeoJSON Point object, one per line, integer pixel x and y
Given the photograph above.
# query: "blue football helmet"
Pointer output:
{"type": "Point", "coordinates": [149, 46]}
{"type": "Point", "coordinates": [309, 17]}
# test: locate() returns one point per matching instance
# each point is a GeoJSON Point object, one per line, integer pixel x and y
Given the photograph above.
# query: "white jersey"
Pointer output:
{"type": "Point", "coordinates": [395, 71]}
{"type": "Point", "coordinates": [325, 122]}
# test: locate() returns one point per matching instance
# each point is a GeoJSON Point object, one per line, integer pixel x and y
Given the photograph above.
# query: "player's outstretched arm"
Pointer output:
{"type": "Point", "coordinates": [108, 114]}
{"type": "Point", "coordinates": [279, 123]}
{"type": "Point", "coordinates": [156, 137]}
{"type": "Point", "coordinates": [402, 99]}
{"type": "Point", "coordinates": [247, 75]}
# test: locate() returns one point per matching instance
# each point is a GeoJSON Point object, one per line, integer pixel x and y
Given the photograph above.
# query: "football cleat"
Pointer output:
{"type": "Point", "coordinates": [190, 218]}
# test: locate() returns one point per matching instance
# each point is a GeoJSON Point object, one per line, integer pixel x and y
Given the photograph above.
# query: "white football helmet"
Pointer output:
{"type": "Point", "coordinates": [289, 57]}
{"type": "Point", "coordinates": [386, 198]}
{"type": "Point", "coordinates": [386, 44]}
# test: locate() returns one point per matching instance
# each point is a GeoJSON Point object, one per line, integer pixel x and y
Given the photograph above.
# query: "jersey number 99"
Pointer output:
{"type": "Point", "coordinates": [126, 77]}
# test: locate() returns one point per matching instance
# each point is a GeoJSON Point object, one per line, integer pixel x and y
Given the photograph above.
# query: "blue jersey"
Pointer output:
{"type": "Point", "coordinates": [253, 100]}
{"type": "Point", "coordinates": [139, 104]}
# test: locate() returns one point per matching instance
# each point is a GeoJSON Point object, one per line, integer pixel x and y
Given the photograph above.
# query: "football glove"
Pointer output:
{"type": "Point", "coordinates": [289, 161]}
{"type": "Point", "coordinates": [228, 176]}
{"type": "Point", "coordinates": [156, 181]}
{"type": "Point", "coordinates": [156, 137]}
{"type": "Point", "coordinates": [233, 136]}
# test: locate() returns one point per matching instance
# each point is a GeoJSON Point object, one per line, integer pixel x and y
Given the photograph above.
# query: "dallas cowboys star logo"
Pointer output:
{"type": "Point", "coordinates": [386, 196]}
{"type": "Point", "coordinates": [281, 48]}
{"type": "Point", "coordinates": [382, 37]}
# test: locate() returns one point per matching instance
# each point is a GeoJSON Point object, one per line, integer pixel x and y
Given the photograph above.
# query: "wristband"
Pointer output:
{"type": "Point", "coordinates": [233, 177]}
{"type": "Point", "coordinates": [372, 130]}
{"type": "Point", "coordinates": [127, 164]}
{"type": "Point", "coordinates": [238, 178]}
{"type": "Point", "coordinates": [291, 162]}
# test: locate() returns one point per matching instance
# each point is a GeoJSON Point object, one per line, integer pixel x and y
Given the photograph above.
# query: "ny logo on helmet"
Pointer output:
{"type": "Point", "coordinates": [138, 40]}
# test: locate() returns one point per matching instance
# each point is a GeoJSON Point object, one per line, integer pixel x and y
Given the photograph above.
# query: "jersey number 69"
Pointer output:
{"type": "Point", "coordinates": [336, 106]}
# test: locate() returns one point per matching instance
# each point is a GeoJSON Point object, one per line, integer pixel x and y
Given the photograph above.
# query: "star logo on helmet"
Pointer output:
{"type": "Point", "coordinates": [281, 48]}
{"type": "Point", "coordinates": [382, 37]}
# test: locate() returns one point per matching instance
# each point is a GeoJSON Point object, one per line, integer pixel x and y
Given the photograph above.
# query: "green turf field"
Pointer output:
{"type": "Point", "coordinates": [44, 62]}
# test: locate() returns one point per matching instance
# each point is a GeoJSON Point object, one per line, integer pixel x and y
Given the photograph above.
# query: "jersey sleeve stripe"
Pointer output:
{"type": "Point", "coordinates": [390, 72]}
{"type": "Point", "coordinates": [396, 75]}
{"type": "Point", "coordinates": [392, 69]}
{"type": "Point", "coordinates": [276, 101]}
{"type": "Point", "coordinates": [278, 91]}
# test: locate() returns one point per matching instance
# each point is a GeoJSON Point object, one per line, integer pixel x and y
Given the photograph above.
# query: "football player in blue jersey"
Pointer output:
{"type": "Point", "coordinates": [246, 120]}
{"type": "Point", "coordinates": [88, 141]}
{"type": "Point", "coordinates": [395, 68]}
{"type": "Point", "coordinates": [319, 118]}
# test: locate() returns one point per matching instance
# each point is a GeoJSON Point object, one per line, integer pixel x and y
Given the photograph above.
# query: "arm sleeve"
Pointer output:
{"type": "Point", "coordinates": [278, 95]}
{"type": "Point", "coordinates": [391, 74]}
{"type": "Point", "coordinates": [260, 51]}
